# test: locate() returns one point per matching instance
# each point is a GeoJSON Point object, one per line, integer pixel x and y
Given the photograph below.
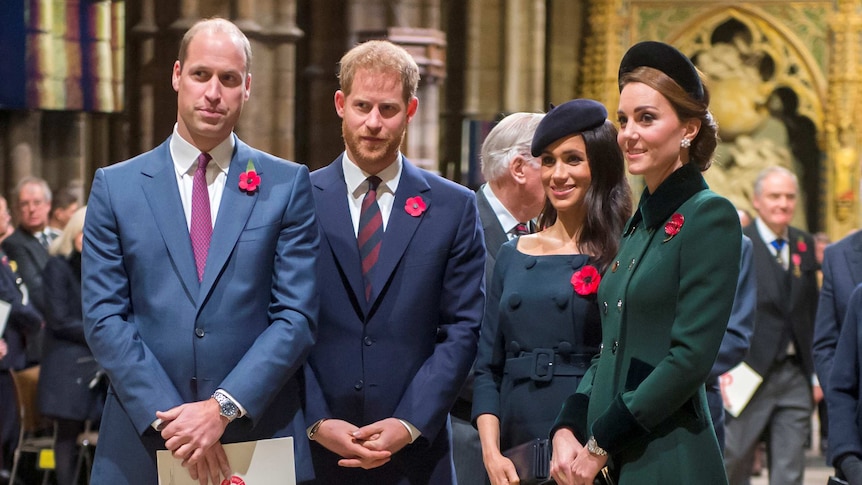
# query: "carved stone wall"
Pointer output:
{"type": "Point", "coordinates": [772, 67]}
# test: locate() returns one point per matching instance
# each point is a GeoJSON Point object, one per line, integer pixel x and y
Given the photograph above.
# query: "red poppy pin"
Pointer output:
{"type": "Point", "coordinates": [249, 180]}
{"type": "Point", "coordinates": [673, 226]}
{"type": "Point", "coordinates": [415, 206]}
{"type": "Point", "coordinates": [586, 280]}
{"type": "Point", "coordinates": [801, 246]}
{"type": "Point", "coordinates": [233, 480]}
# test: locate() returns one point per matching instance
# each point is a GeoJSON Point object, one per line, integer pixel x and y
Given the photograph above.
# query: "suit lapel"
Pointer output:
{"type": "Point", "coordinates": [495, 236]}
{"type": "Point", "coordinates": [401, 226]}
{"type": "Point", "coordinates": [854, 257]}
{"type": "Point", "coordinates": [160, 189]}
{"type": "Point", "coordinates": [337, 225]}
{"type": "Point", "coordinates": [766, 261]}
{"type": "Point", "coordinates": [234, 211]}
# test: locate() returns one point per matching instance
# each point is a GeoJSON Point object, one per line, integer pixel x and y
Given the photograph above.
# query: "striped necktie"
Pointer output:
{"type": "Point", "coordinates": [370, 233]}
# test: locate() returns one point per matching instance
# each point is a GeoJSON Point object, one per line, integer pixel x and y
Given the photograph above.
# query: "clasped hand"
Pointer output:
{"type": "Point", "coordinates": [191, 432]}
{"type": "Point", "coordinates": [368, 447]}
{"type": "Point", "coordinates": [572, 463]}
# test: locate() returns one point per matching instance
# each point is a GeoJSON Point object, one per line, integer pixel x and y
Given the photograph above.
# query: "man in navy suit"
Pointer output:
{"type": "Point", "coordinates": [23, 324]}
{"type": "Point", "coordinates": [842, 271]}
{"type": "Point", "coordinates": [400, 316]}
{"type": "Point", "coordinates": [843, 395]}
{"type": "Point", "coordinates": [199, 294]}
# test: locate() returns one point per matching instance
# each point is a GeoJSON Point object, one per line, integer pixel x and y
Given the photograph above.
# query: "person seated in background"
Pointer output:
{"type": "Point", "coordinates": [64, 203]}
{"type": "Point", "coordinates": [71, 389]}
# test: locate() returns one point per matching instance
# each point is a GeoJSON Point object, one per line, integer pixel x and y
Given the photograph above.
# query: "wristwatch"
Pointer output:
{"type": "Point", "coordinates": [314, 428]}
{"type": "Point", "coordinates": [594, 448]}
{"type": "Point", "coordinates": [227, 407]}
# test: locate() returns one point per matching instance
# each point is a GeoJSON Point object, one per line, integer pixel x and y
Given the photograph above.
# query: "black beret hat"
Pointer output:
{"type": "Point", "coordinates": [666, 59]}
{"type": "Point", "coordinates": [575, 116]}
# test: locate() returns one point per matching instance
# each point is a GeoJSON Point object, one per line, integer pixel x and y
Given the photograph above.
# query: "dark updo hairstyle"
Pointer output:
{"type": "Point", "coordinates": [608, 199]}
{"type": "Point", "coordinates": [686, 106]}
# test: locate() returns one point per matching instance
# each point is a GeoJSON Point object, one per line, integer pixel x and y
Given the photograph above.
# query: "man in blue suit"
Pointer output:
{"type": "Point", "coordinates": [402, 272]}
{"type": "Point", "coordinates": [199, 292]}
{"type": "Point", "coordinates": [842, 271]}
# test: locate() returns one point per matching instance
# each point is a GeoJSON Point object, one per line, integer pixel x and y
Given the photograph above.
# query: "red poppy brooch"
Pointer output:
{"type": "Point", "coordinates": [415, 206]}
{"type": "Point", "coordinates": [249, 180]}
{"type": "Point", "coordinates": [586, 280]}
{"type": "Point", "coordinates": [673, 226]}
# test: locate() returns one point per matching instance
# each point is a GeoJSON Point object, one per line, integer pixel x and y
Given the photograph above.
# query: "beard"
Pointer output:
{"type": "Point", "coordinates": [371, 157]}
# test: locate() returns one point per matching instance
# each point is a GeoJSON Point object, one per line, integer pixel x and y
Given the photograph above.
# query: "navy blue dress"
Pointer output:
{"type": "Point", "coordinates": [538, 337]}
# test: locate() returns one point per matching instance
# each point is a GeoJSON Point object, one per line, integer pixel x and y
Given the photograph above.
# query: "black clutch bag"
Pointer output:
{"type": "Point", "coordinates": [833, 480]}
{"type": "Point", "coordinates": [532, 462]}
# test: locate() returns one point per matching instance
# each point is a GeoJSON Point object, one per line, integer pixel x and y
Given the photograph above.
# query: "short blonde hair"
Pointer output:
{"type": "Point", "coordinates": [65, 244]}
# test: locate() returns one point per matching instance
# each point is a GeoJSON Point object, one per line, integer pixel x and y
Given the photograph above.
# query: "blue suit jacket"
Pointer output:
{"type": "Point", "coordinates": [842, 271]}
{"type": "Point", "coordinates": [166, 339]}
{"type": "Point", "coordinates": [844, 384]}
{"type": "Point", "coordinates": [405, 353]}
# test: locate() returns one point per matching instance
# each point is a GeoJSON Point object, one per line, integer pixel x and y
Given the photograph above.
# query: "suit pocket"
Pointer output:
{"type": "Point", "coordinates": [259, 232]}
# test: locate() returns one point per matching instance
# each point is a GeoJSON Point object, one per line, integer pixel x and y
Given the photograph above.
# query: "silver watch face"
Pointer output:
{"type": "Point", "coordinates": [226, 407]}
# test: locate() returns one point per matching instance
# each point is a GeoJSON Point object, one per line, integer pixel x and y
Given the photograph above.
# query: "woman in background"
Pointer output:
{"type": "Point", "coordinates": [665, 301]}
{"type": "Point", "coordinates": [541, 326]}
{"type": "Point", "coordinates": [71, 390]}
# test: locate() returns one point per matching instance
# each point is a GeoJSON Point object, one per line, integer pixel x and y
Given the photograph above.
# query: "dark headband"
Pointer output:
{"type": "Point", "coordinates": [666, 59]}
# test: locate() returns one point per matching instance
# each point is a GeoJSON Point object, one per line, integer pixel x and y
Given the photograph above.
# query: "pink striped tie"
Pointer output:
{"type": "Point", "coordinates": [202, 227]}
{"type": "Point", "coordinates": [370, 232]}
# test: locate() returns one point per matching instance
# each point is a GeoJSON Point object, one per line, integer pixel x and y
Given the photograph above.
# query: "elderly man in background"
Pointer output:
{"type": "Point", "coordinates": [508, 203]}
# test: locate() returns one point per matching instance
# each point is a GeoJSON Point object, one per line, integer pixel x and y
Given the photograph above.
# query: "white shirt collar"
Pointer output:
{"type": "Point", "coordinates": [185, 154]}
{"type": "Point", "coordinates": [355, 177]}
{"type": "Point", "coordinates": [766, 233]}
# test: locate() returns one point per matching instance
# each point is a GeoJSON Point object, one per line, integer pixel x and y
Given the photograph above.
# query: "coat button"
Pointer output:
{"type": "Point", "coordinates": [368, 341]}
{"type": "Point", "coordinates": [605, 307]}
{"type": "Point", "coordinates": [614, 347]}
{"type": "Point", "coordinates": [358, 385]}
{"type": "Point", "coordinates": [199, 332]}
{"type": "Point", "coordinates": [619, 306]}
{"type": "Point", "coordinates": [632, 264]}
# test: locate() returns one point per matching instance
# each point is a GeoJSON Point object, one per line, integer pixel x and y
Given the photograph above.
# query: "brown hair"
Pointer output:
{"type": "Point", "coordinates": [608, 199]}
{"type": "Point", "coordinates": [379, 56]}
{"type": "Point", "coordinates": [686, 108]}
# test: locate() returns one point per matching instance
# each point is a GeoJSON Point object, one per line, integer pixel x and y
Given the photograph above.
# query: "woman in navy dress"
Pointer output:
{"type": "Point", "coordinates": [542, 326]}
{"type": "Point", "coordinates": [70, 388]}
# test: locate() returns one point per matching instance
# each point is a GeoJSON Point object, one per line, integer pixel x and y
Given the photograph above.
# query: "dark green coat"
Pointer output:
{"type": "Point", "coordinates": [665, 302]}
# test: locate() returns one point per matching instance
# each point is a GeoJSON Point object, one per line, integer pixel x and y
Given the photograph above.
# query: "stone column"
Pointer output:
{"type": "Point", "coordinates": [843, 127]}
{"type": "Point", "coordinates": [524, 56]}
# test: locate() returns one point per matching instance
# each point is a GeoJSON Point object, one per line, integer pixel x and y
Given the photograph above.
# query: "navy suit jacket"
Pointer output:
{"type": "Point", "coordinates": [30, 258]}
{"type": "Point", "coordinates": [406, 353]}
{"type": "Point", "coordinates": [495, 235]}
{"type": "Point", "coordinates": [842, 271]}
{"type": "Point", "coordinates": [24, 320]}
{"type": "Point", "coordinates": [164, 338]}
{"type": "Point", "coordinates": [844, 384]}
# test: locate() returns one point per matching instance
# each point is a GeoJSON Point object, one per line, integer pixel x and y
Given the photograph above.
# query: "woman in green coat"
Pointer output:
{"type": "Point", "coordinates": [665, 300]}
